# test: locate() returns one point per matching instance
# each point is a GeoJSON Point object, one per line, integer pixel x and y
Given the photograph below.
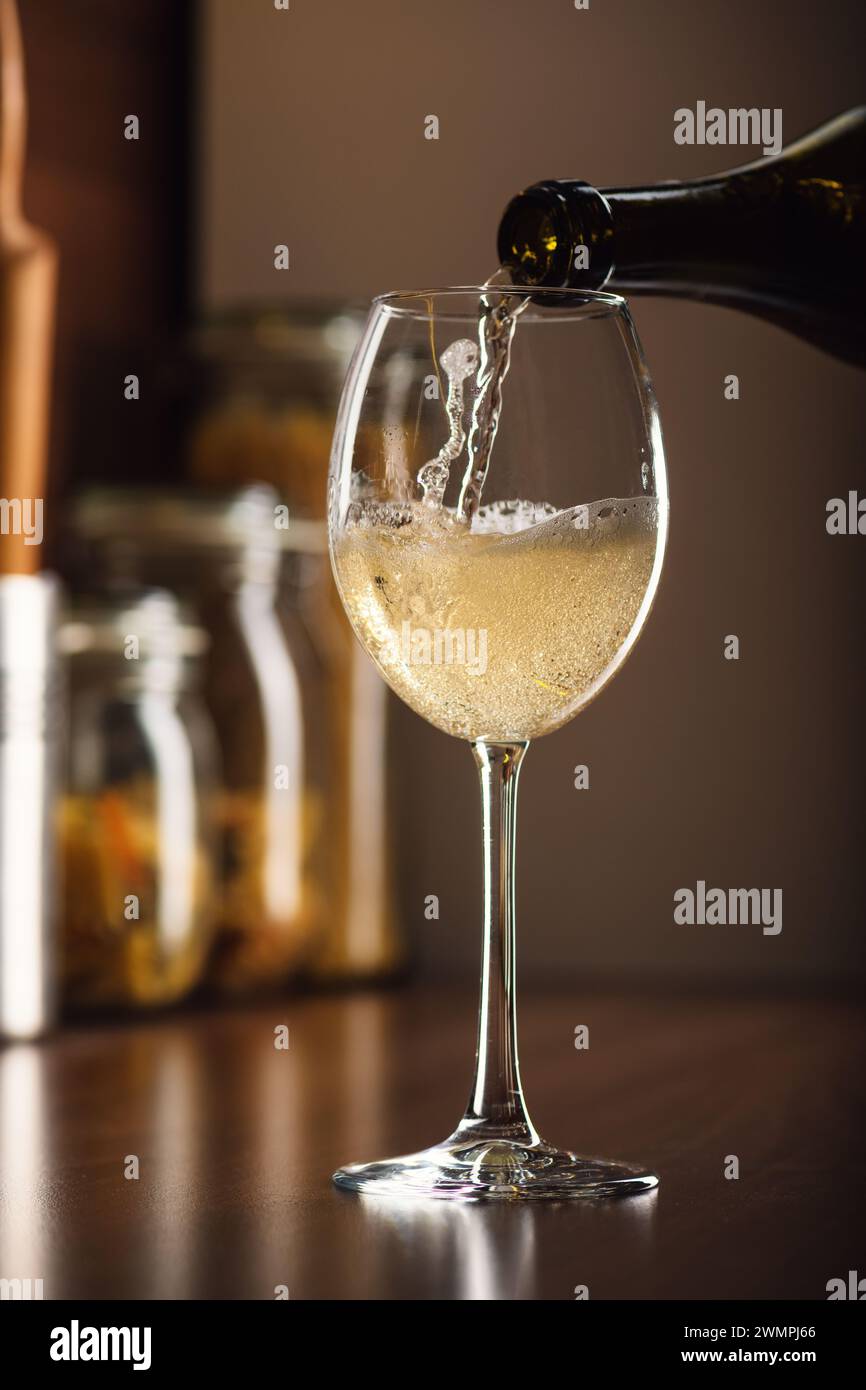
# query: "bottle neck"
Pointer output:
{"type": "Point", "coordinates": [788, 250]}
{"type": "Point", "coordinates": [651, 239]}
{"type": "Point", "coordinates": [782, 237]}
{"type": "Point", "coordinates": [791, 217]}
{"type": "Point", "coordinates": [665, 239]}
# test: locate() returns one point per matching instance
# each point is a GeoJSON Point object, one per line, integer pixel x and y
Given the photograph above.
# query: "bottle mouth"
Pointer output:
{"type": "Point", "coordinates": [557, 234]}
{"type": "Point", "coordinates": [534, 238]}
{"type": "Point", "coordinates": [461, 302]}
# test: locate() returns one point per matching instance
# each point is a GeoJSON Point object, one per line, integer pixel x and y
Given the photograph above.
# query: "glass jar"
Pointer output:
{"type": "Point", "coordinates": [264, 689]}
{"type": "Point", "coordinates": [137, 811]}
{"type": "Point", "coordinates": [362, 940]}
{"type": "Point", "coordinates": [257, 397]}
{"type": "Point", "coordinates": [257, 393]}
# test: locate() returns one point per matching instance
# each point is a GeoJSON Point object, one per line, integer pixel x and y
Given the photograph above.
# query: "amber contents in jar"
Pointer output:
{"type": "Point", "coordinates": [263, 687]}
{"type": "Point", "coordinates": [136, 826]}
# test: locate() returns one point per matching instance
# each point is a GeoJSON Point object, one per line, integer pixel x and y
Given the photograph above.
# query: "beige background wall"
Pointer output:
{"type": "Point", "coordinates": [743, 774]}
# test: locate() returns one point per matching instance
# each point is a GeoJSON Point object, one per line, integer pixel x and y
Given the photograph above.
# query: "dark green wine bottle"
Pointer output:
{"type": "Point", "coordinates": [783, 237]}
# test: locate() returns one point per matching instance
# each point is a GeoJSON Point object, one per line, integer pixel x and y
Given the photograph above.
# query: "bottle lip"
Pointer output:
{"type": "Point", "coordinates": [436, 303]}
{"type": "Point", "coordinates": [544, 226]}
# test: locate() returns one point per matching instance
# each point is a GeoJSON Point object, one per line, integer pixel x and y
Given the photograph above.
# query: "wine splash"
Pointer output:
{"type": "Point", "coordinates": [496, 328]}
{"type": "Point", "coordinates": [457, 362]}
{"type": "Point", "coordinates": [489, 360]}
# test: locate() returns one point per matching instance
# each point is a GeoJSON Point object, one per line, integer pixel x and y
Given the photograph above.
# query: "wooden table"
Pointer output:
{"type": "Point", "coordinates": [236, 1140]}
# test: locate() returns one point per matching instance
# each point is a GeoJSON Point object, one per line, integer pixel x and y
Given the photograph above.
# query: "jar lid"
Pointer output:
{"type": "Point", "coordinates": [251, 518]}
{"type": "Point", "coordinates": [319, 334]}
{"type": "Point", "coordinates": [161, 626]}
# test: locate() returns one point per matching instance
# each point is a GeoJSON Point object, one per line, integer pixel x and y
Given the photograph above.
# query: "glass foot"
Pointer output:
{"type": "Point", "coordinates": [498, 1170]}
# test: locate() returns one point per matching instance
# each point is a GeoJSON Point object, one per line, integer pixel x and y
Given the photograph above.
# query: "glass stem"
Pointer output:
{"type": "Point", "coordinates": [496, 1107]}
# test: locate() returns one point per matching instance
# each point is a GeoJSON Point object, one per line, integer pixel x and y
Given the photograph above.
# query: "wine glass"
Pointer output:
{"type": "Point", "coordinates": [497, 520]}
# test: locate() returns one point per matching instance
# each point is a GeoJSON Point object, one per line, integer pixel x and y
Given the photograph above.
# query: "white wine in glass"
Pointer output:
{"type": "Point", "coordinates": [497, 519]}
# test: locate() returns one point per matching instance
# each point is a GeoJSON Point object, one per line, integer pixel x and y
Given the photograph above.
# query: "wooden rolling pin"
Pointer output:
{"type": "Point", "coordinates": [28, 287]}
{"type": "Point", "coordinates": [29, 689]}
